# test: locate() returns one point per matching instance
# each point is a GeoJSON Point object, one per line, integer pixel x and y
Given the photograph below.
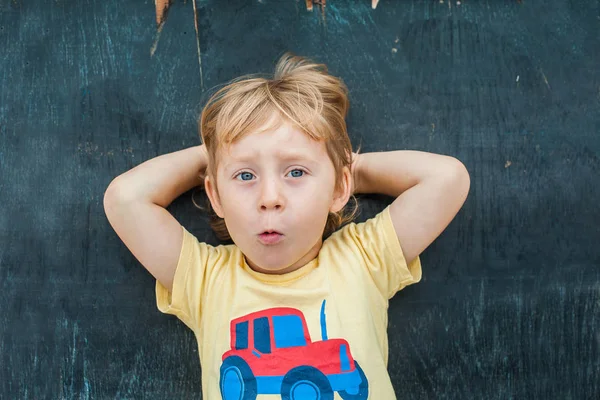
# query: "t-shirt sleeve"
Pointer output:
{"type": "Point", "coordinates": [185, 300]}
{"type": "Point", "coordinates": [377, 244]}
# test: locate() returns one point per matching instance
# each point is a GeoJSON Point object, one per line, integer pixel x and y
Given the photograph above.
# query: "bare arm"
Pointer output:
{"type": "Point", "coordinates": [135, 205]}
{"type": "Point", "coordinates": [429, 188]}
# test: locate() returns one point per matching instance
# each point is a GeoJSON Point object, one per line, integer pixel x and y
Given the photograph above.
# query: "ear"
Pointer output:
{"type": "Point", "coordinates": [341, 196]}
{"type": "Point", "coordinates": [213, 196]}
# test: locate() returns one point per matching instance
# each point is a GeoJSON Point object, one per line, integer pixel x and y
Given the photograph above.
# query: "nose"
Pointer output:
{"type": "Point", "coordinates": [271, 196]}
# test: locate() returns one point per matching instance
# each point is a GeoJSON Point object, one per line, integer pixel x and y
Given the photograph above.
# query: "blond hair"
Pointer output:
{"type": "Point", "coordinates": [300, 92]}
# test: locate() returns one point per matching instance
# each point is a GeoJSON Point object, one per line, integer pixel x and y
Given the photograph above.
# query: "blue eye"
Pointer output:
{"type": "Point", "coordinates": [296, 175]}
{"type": "Point", "coordinates": [245, 174]}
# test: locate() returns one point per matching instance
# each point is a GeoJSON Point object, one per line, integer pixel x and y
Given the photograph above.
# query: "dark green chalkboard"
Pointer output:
{"type": "Point", "coordinates": [510, 298]}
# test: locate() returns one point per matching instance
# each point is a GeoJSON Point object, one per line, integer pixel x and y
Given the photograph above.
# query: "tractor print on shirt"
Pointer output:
{"type": "Point", "coordinates": [272, 353]}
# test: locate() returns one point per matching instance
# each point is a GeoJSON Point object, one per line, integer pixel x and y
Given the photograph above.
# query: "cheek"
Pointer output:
{"type": "Point", "coordinates": [233, 204]}
{"type": "Point", "coordinates": [321, 197]}
{"type": "Point", "coordinates": [312, 212]}
{"type": "Point", "coordinates": [236, 207]}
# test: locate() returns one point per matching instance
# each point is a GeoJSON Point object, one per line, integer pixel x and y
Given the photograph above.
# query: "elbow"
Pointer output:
{"type": "Point", "coordinates": [111, 192]}
{"type": "Point", "coordinates": [111, 195]}
{"type": "Point", "coordinates": [115, 193]}
{"type": "Point", "coordinates": [460, 178]}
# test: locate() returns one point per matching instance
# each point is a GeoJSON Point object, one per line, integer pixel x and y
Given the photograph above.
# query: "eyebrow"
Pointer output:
{"type": "Point", "coordinates": [283, 155]}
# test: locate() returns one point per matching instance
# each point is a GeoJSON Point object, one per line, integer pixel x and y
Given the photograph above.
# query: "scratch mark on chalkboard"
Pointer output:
{"type": "Point", "coordinates": [87, 242]}
{"type": "Point", "coordinates": [86, 392]}
{"type": "Point", "coordinates": [424, 361]}
{"type": "Point", "coordinates": [478, 313]}
{"type": "Point", "coordinates": [156, 38]}
{"type": "Point", "coordinates": [86, 382]}
{"type": "Point", "coordinates": [73, 354]}
{"type": "Point", "coordinates": [162, 7]}
{"type": "Point", "coordinates": [198, 44]}
{"type": "Point", "coordinates": [545, 79]}
{"type": "Point", "coordinates": [73, 372]}
{"type": "Point", "coordinates": [130, 380]}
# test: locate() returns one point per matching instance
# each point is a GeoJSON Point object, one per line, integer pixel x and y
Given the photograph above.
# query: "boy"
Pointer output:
{"type": "Point", "coordinates": [294, 308]}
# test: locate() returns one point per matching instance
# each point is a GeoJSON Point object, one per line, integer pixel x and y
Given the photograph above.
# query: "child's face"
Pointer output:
{"type": "Point", "coordinates": [276, 180]}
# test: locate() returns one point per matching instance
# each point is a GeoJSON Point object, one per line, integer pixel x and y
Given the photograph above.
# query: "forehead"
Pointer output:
{"type": "Point", "coordinates": [284, 141]}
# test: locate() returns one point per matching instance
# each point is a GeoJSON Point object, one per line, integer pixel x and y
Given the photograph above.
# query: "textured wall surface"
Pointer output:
{"type": "Point", "coordinates": [510, 298]}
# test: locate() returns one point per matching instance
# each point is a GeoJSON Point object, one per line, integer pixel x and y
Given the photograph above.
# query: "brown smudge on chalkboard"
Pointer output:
{"type": "Point", "coordinates": [162, 6]}
{"type": "Point", "coordinates": [322, 3]}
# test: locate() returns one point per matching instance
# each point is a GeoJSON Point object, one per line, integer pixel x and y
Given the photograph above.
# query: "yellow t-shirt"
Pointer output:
{"type": "Point", "coordinates": [319, 329]}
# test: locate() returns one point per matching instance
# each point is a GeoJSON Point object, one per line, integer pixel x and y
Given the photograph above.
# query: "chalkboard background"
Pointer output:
{"type": "Point", "coordinates": [509, 303]}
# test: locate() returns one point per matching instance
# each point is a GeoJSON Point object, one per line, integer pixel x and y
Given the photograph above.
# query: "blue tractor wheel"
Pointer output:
{"type": "Point", "coordinates": [237, 382]}
{"type": "Point", "coordinates": [363, 388]}
{"type": "Point", "coordinates": [306, 383]}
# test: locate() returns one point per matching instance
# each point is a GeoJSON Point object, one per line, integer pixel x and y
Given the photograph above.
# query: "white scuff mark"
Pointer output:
{"type": "Point", "coordinates": [156, 38]}
{"type": "Point", "coordinates": [545, 79]}
{"type": "Point", "coordinates": [198, 44]}
{"type": "Point", "coordinates": [86, 389]}
{"type": "Point", "coordinates": [74, 354]}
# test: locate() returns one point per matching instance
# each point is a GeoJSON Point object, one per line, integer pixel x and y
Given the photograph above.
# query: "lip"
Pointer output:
{"type": "Point", "coordinates": [270, 238]}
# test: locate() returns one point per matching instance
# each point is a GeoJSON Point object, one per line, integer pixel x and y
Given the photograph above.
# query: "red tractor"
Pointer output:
{"type": "Point", "coordinates": [272, 353]}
